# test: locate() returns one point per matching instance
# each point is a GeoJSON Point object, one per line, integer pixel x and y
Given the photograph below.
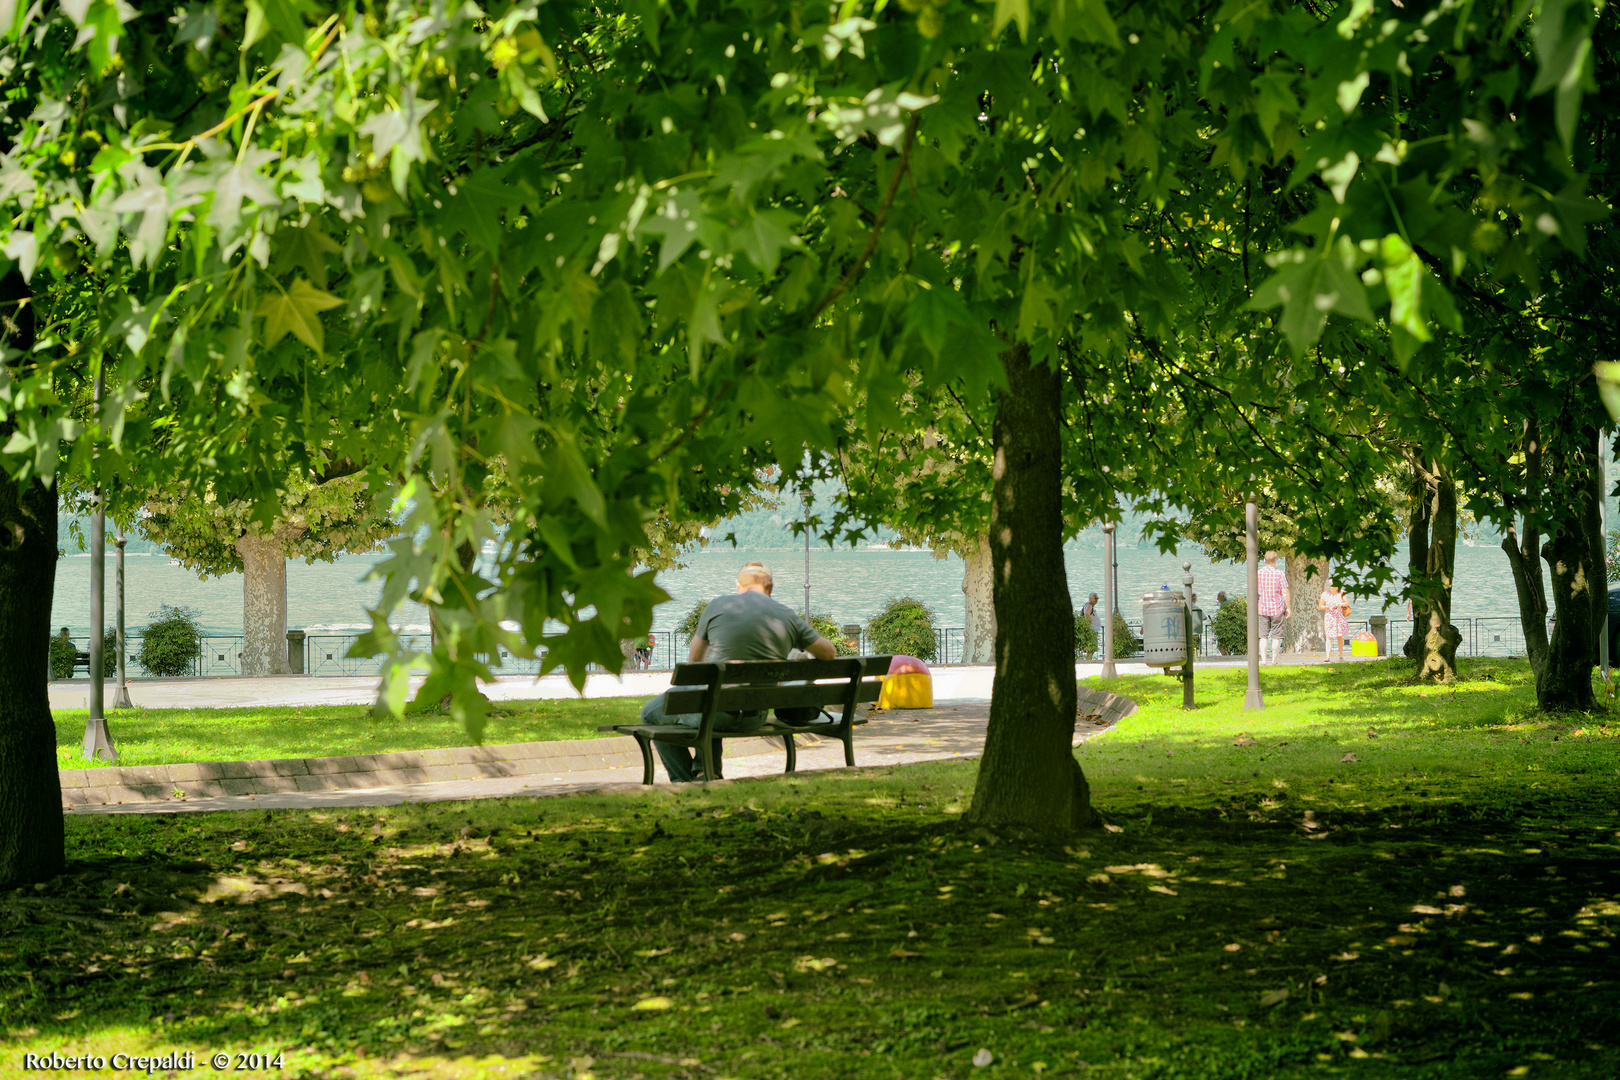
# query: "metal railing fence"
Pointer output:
{"type": "Point", "coordinates": [327, 654]}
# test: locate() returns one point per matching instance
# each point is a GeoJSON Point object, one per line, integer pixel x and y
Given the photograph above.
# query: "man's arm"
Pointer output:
{"type": "Point", "coordinates": [822, 649]}
{"type": "Point", "coordinates": [698, 650]}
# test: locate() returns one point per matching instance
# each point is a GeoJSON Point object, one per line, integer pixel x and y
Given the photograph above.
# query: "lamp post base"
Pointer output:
{"type": "Point", "coordinates": [97, 740]}
{"type": "Point", "coordinates": [1108, 671]}
{"type": "Point", "coordinates": [1254, 699]}
{"type": "Point", "coordinates": [121, 698]}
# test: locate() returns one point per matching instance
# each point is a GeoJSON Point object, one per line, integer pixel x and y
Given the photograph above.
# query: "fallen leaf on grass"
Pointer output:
{"type": "Point", "coordinates": [1245, 740]}
{"type": "Point", "coordinates": [983, 1058]}
{"type": "Point", "coordinates": [1345, 957]}
{"type": "Point", "coordinates": [1349, 758]}
{"type": "Point", "coordinates": [1166, 890]}
{"type": "Point", "coordinates": [1273, 997]}
{"type": "Point", "coordinates": [904, 954]}
{"type": "Point", "coordinates": [1113, 828]}
{"type": "Point", "coordinates": [655, 952]}
{"type": "Point", "coordinates": [1403, 940]}
{"type": "Point", "coordinates": [653, 1004]}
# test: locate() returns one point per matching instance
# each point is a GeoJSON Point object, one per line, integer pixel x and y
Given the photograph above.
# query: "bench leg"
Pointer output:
{"type": "Point", "coordinates": [792, 753]}
{"type": "Point", "coordinates": [849, 746]}
{"type": "Point", "coordinates": [708, 752]}
{"type": "Point", "coordinates": [646, 758]}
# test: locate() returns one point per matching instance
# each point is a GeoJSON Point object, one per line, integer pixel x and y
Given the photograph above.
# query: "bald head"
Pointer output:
{"type": "Point", "coordinates": [755, 578]}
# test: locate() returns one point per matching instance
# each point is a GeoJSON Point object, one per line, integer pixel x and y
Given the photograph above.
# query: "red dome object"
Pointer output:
{"type": "Point", "coordinates": [907, 665]}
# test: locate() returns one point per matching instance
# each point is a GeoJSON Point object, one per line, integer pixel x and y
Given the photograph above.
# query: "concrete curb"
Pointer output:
{"type": "Point", "coordinates": [1106, 709]}
{"type": "Point", "coordinates": [116, 785]}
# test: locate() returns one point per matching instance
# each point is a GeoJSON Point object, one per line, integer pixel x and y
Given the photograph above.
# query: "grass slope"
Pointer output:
{"type": "Point", "coordinates": [1312, 917]}
{"type": "Point", "coordinates": [172, 736]}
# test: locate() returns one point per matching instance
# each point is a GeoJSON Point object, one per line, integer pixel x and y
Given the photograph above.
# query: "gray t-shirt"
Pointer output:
{"type": "Point", "coordinates": [752, 626]}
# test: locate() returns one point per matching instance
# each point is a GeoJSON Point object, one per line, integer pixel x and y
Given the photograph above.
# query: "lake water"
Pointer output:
{"type": "Point", "coordinates": [850, 585]}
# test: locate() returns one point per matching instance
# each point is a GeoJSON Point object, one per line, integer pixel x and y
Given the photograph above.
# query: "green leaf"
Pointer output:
{"type": "Point", "coordinates": [287, 20]}
{"type": "Point", "coordinates": [1563, 60]}
{"type": "Point", "coordinates": [568, 477]}
{"type": "Point", "coordinates": [297, 310]}
{"type": "Point", "coordinates": [23, 248]}
{"type": "Point", "coordinates": [763, 237]}
{"type": "Point", "coordinates": [1011, 11]}
{"type": "Point", "coordinates": [1308, 286]}
{"type": "Point", "coordinates": [242, 180]}
{"type": "Point", "coordinates": [398, 132]}
{"type": "Point", "coordinates": [677, 221]}
{"type": "Point", "coordinates": [646, 12]}
{"type": "Point", "coordinates": [1417, 300]}
{"type": "Point", "coordinates": [305, 248]}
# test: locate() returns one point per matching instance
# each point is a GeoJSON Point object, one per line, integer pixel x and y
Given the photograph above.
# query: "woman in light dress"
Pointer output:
{"type": "Point", "coordinates": [1335, 608]}
{"type": "Point", "coordinates": [1091, 613]}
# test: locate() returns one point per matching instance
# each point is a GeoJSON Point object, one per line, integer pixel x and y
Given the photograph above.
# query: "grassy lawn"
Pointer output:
{"type": "Point", "coordinates": [171, 736]}
{"type": "Point", "coordinates": [1443, 906]}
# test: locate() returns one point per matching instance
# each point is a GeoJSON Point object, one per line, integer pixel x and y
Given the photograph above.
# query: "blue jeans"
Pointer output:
{"type": "Point", "coordinates": [683, 762]}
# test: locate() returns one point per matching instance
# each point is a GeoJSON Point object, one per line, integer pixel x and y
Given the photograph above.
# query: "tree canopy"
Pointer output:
{"type": "Point", "coordinates": [612, 260]}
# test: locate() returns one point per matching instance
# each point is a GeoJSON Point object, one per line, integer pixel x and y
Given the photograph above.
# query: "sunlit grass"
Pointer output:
{"type": "Point", "coordinates": [171, 736]}
{"type": "Point", "coordinates": [1311, 917]}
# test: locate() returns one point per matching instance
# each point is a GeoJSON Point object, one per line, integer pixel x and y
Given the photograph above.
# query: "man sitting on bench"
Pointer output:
{"type": "Point", "coordinates": [748, 625]}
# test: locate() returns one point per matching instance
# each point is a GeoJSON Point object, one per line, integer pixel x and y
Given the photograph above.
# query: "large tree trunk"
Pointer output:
{"type": "Point", "coordinates": [1524, 558]}
{"type": "Point", "coordinates": [1028, 777]}
{"type": "Point", "coordinates": [264, 606]}
{"type": "Point", "coordinates": [1575, 557]}
{"type": "Point", "coordinates": [1438, 660]}
{"type": "Point", "coordinates": [979, 636]}
{"type": "Point", "coordinates": [1417, 562]}
{"type": "Point", "coordinates": [1307, 576]}
{"type": "Point", "coordinates": [31, 840]}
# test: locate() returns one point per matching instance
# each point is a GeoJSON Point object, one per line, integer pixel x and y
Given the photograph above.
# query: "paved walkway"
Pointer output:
{"type": "Point", "coordinates": [951, 684]}
{"type": "Point", "coordinates": [895, 737]}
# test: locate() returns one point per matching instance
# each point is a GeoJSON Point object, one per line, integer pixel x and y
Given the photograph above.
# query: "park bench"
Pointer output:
{"type": "Point", "coordinates": [758, 686]}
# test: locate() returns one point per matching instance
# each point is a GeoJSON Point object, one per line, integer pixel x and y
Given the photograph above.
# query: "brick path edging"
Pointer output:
{"type": "Point", "coordinates": [355, 772]}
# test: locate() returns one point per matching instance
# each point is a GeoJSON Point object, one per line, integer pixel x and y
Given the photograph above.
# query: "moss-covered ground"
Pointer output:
{"type": "Point", "coordinates": [173, 736]}
{"type": "Point", "coordinates": [1444, 905]}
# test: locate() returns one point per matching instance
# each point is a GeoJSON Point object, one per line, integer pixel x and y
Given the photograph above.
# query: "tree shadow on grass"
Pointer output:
{"type": "Point", "coordinates": [800, 926]}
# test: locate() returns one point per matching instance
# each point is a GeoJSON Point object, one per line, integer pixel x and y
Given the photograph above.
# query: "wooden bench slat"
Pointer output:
{"type": "Point", "coordinates": [772, 727]}
{"type": "Point", "coordinates": [755, 698]}
{"type": "Point", "coordinates": [776, 671]}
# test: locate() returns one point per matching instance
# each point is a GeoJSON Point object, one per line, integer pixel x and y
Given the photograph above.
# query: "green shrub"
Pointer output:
{"type": "Point", "coordinates": [906, 627]}
{"type": "Point", "coordinates": [1232, 627]}
{"type": "Point", "coordinates": [827, 628]}
{"type": "Point", "coordinates": [1087, 642]}
{"type": "Point", "coordinates": [171, 642]}
{"type": "Point", "coordinates": [65, 654]}
{"type": "Point", "coordinates": [688, 626]}
{"type": "Point", "coordinates": [109, 654]}
{"type": "Point", "coordinates": [1085, 637]}
{"type": "Point", "coordinates": [1125, 642]}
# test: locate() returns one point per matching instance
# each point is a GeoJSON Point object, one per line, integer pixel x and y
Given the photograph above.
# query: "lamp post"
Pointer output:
{"type": "Point", "coordinates": [121, 695]}
{"type": "Point", "coordinates": [1254, 699]}
{"type": "Point", "coordinates": [1187, 668]}
{"type": "Point", "coordinates": [1109, 601]}
{"type": "Point", "coordinates": [97, 739]}
{"type": "Point", "coordinates": [1603, 530]}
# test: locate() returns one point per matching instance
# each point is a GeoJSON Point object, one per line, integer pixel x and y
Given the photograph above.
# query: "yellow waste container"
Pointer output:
{"type": "Point", "coordinates": [909, 685]}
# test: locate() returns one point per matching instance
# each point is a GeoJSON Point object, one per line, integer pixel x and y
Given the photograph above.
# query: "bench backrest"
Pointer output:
{"type": "Point", "coordinates": [754, 685]}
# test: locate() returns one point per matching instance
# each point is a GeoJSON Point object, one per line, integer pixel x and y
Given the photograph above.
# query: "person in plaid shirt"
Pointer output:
{"type": "Point", "coordinates": [1273, 606]}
